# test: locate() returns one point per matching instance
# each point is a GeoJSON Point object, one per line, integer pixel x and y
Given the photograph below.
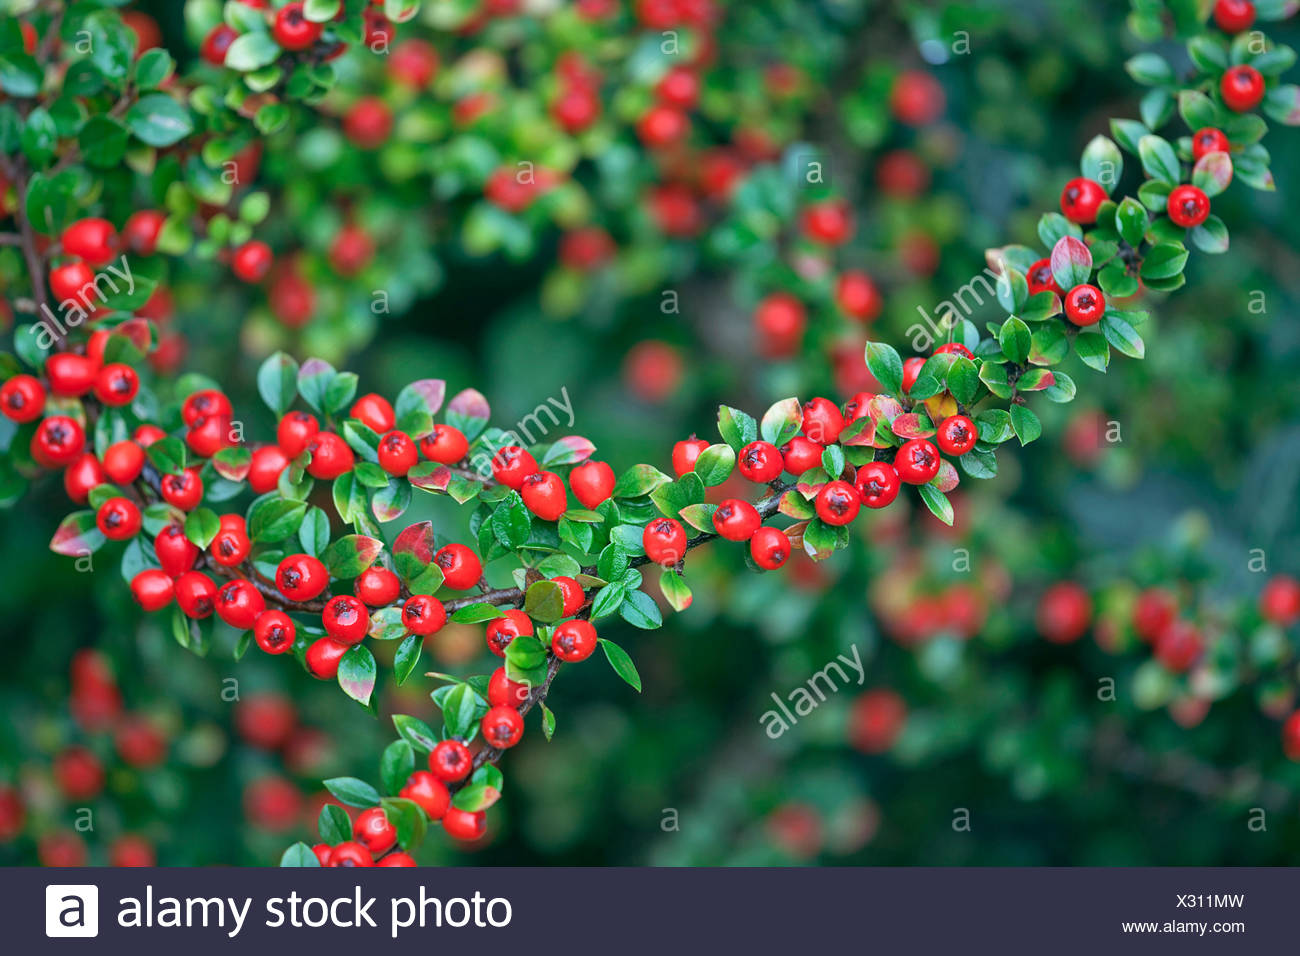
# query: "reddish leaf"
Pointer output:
{"type": "Point", "coordinates": [569, 451]}
{"type": "Point", "coordinates": [233, 463]}
{"type": "Point", "coordinates": [1035, 380]}
{"type": "Point", "coordinates": [413, 549]}
{"type": "Point", "coordinates": [861, 432]}
{"type": "Point", "coordinates": [77, 535]}
{"type": "Point", "coordinates": [430, 476]}
{"type": "Point", "coordinates": [913, 425]}
{"type": "Point", "coordinates": [468, 411]}
{"type": "Point", "coordinates": [946, 480]}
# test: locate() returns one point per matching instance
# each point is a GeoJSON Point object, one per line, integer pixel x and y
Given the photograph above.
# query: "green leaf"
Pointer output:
{"type": "Point", "coordinates": [277, 382]}
{"type": "Point", "coordinates": [639, 480]}
{"type": "Point", "coordinates": [357, 673]}
{"type": "Point", "coordinates": [607, 601]}
{"type": "Point", "coordinates": [544, 602]}
{"type": "Point", "coordinates": [1102, 162]}
{"type": "Point", "coordinates": [416, 405]}
{"type": "Point", "coordinates": [1131, 221]}
{"type": "Point", "coordinates": [252, 51]}
{"type": "Point", "coordinates": [1150, 69]}
{"type": "Point", "coordinates": [675, 590]}
{"type": "Point", "coordinates": [736, 428]}
{"type": "Point", "coordinates": [781, 422]}
{"type": "Point", "coordinates": [511, 522]}
{"type": "Point", "coordinates": [715, 464]}
{"type": "Point", "coordinates": [937, 502]}
{"type": "Point", "coordinates": [622, 663]}
{"type": "Point", "coordinates": [1014, 338]}
{"type": "Point", "coordinates": [20, 74]}
{"type": "Point", "coordinates": [1128, 133]}
{"type": "Point", "coordinates": [407, 656]}
{"type": "Point", "coordinates": [477, 613]}
{"type": "Point", "coordinates": [1091, 347]}
{"type": "Point", "coordinates": [526, 652]}
{"type": "Point", "coordinates": [158, 120]}
{"type": "Point", "coordinates": [1025, 424]}
{"type": "Point", "coordinates": [353, 792]}
{"type": "Point", "coordinates": [274, 519]}
{"type": "Point", "coordinates": [461, 710]}
{"type": "Point", "coordinates": [1159, 159]}
{"type": "Point", "coordinates": [201, 526]}
{"type": "Point", "coordinates": [886, 366]}
{"type": "Point", "coordinates": [396, 765]}
{"type": "Point", "coordinates": [963, 379]}
{"type": "Point", "coordinates": [1211, 236]}
{"type": "Point", "coordinates": [640, 610]}
{"type": "Point", "coordinates": [333, 824]}
{"type": "Point", "coordinates": [1121, 334]}
{"type": "Point", "coordinates": [1053, 227]}
{"type": "Point", "coordinates": [1197, 110]}
{"type": "Point", "coordinates": [548, 721]}
{"type": "Point", "coordinates": [415, 732]}
{"type": "Point", "coordinates": [1212, 173]}
{"type": "Point", "coordinates": [300, 854]}
{"type": "Point", "coordinates": [1164, 261]}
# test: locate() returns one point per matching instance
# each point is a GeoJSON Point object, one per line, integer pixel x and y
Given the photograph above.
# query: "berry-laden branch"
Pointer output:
{"type": "Point", "coordinates": [159, 471]}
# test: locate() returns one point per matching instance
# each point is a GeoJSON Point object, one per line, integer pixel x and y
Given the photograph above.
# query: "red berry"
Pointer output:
{"type": "Point", "coordinates": [58, 441]}
{"type": "Point", "coordinates": [428, 791]}
{"type": "Point", "coordinates": [185, 490]}
{"type": "Point", "coordinates": [118, 519]}
{"type": "Point", "coordinates": [217, 42]}
{"type": "Point", "coordinates": [323, 658]}
{"type": "Point", "coordinates": [916, 98]}
{"type": "Point", "coordinates": [1187, 206]}
{"type": "Point", "coordinates": [450, 761]}
{"type": "Point", "coordinates": [301, 577]}
{"type": "Point", "coordinates": [375, 412]}
{"type": "Point", "coordinates": [81, 476]}
{"type": "Point", "coordinates": [761, 462]}
{"type": "Point", "coordinates": [117, 384]}
{"type": "Point", "coordinates": [838, 502]}
{"type": "Point", "coordinates": [543, 494]}
{"type": "Point", "coordinates": [573, 597]}
{"type": "Point", "coordinates": [413, 63]}
{"type": "Point", "coordinates": [70, 280]}
{"type": "Point", "coordinates": [1085, 305]}
{"type": "Point", "coordinates": [511, 465]}
{"type": "Point", "coordinates": [345, 619]}
{"type": "Point", "coordinates": [295, 432]}
{"type": "Point", "coordinates": [822, 421]}
{"type": "Point", "coordinates": [574, 641]}
{"type": "Point", "coordinates": [769, 547]}
{"type": "Point", "coordinates": [1291, 736]}
{"type": "Point", "coordinates": [685, 453]}
{"type": "Point", "coordinates": [1209, 140]}
{"type": "Point", "coordinates": [504, 692]}
{"type": "Point", "coordinates": [349, 253]}
{"type": "Point", "coordinates": [292, 30]}
{"type": "Point", "coordinates": [664, 540]}
{"type": "Point", "coordinates": [502, 727]}
{"type": "Point", "coordinates": [1279, 602]}
{"type": "Point", "coordinates": [141, 231]}
{"type": "Point", "coordinates": [152, 589]}
{"type": "Point", "coordinates": [373, 830]}
{"type": "Point", "coordinates": [576, 107]}
{"type": "Point", "coordinates": [916, 461]}
{"type": "Point", "coordinates": [423, 615]}
{"type": "Point", "coordinates": [857, 296]}
{"type": "Point", "coordinates": [461, 568]}
{"type": "Point", "coordinates": [196, 594]}
{"type": "Point", "coordinates": [230, 547]}
{"type": "Point", "coordinates": [176, 553]}
{"type": "Point", "coordinates": [322, 851]}
{"type": "Point", "coordinates": [877, 483]}
{"type": "Point", "coordinates": [780, 320]}
{"type": "Point", "coordinates": [22, 399]}
{"type": "Point", "coordinates": [79, 773]}
{"type": "Point", "coordinates": [330, 456]}
{"type": "Point", "coordinates": [368, 123]}
{"type": "Point", "coordinates": [377, 587]}
{"type": "Point", "coordinates": [1064, 613]}
{"type": "Point", "coordinates": [93, 240]}
{"type": "Point", "coordinates": [736, 520]}
{"type": "Point", "coordinates": [464, 825]}
{"type": "Point", "coordinates": [292, 298]}
{"type": "Point", "coordinates": [801, 454]}
{"type": "Point", "coordinates": [252, 261]}
{"type": "Point", "coordinates": [208, 435]}
{"type": "Point", "coordinates": [876, 718]}
{"type": "Point", "coordinates": [267, 464]}
{"type": "Point", "coordinates": [397, 453]}
{"type": "Point", "coordinates": [911, 371]}
{"type": "Point", "coordinates": [954, 348]}
{"type": "Point", "coordinates": [956, 435]}
{"type": "Point", "coordinates": [829, 222]}
{"type": "Point", "coordinates": [1180, 646]}
{"type": "Point", "coordinates": [446, 445]}
{"type": "Point", "coordinates": [1080, 199]}
{"type": "Point", "coordinates": [502, 630]}
{"type": "Point", "coordinates": [592, 483]}
{"type": "Point", "coordinates": [350, 853]}
{"type": "Point", "coordinates": [240, 604]}
{"type": "Point", "coordinates": [859, 406]}
{"type": "Point", "coordinates": [274, 632]}
{"type": "Point", "coordinates": [1233, 16]}
{"type": "Point", "coordinates": [1155, 610]}
{"type": "Point", "coordinates": [1242, 88]}
{"type": "Point", "coordinates": [662, 126]}
{"type": "Point", "coordinates": [1041, 279]}
{"type": "Point", "coordinates": [679, 87]}
{"type": "Point", "coordinates": [70, 374]}
{"type": "Point", "coordinates": [206, 403]}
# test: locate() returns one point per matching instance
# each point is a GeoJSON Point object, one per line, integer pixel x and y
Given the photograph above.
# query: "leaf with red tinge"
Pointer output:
{"type": "Point", "coordinates": [1212, 173]}
{"type": "Point", "coordinates": [77, 535]}
{"type": "Point", "coordinates": [357, 673]}
{"type": "Point", "coordinates": [568, 451]}
{"type": "Point", "coordinates": [860, 432]}
{"type": "Point", "coordinates": [946, 480]}
{"type": "Point", "coordinates": [416, 405]}
{"type": "Point", "coordinates": [1071, 262]}
{"type": "Point", "coordinates": [794, 505]}
{"type": "Point", "coordinates": [469, 411]}
{"type": "Point", "coordinates": [351, 554]}
{"type": "Point", "coordinates": [413, 550]}
{"type": "Point", "coordinates": [884, 408]}
{"type": "Point", "coordinates": [430, 476]}
{"type": "Point", "coordinates": [781, 422]}
{"type": "Point", "coordinates": [913, 425]}
{"type": "Point", "coordinates": [1035, 380]}
{"type": "Point", "coordinates": [233, 463]}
